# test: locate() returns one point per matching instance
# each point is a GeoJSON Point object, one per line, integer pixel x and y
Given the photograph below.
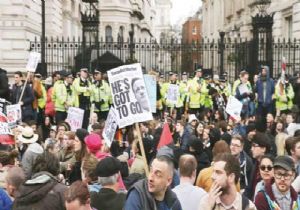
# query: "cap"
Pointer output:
{"type": "Point", "coordinates": [207, 76]}
{"type": "Point", "coordinates": [162, 76]}
{"type": "Point", "coordinates": [172, 73]}
{"type": "Point", "coordinates": [222, 79]}
{"type": "Point", "coordinates": [107, 167]}
{"type": "Point", "coordinates": [81, 133]}
{"type": "Point", "coordinates": [184, 73]}
{"type": "Point", "coordinates": [284, 162]}
{"type": "Point", "coordinates": [93, 142]}
{"type": "Point", "coordinates": [64, 73]}
{"type": "Point", "coordinates": [198, 70]}
{"type": "Point", "coordinates": [84, 69]}
{"type": "Point", "coordinates": [38, 75]}
{"type": "Point", "coordinates": [97, 71]}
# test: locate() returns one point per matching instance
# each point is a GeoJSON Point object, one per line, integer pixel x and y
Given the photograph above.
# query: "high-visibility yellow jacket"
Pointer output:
{"type": "Point", "coordinates": [65, 98]}
{"type": "Point", "coordinates": [101, 96]}
{"type": "Point", "coordinates": [284, 101]}
{"type": "Point", "coordinates": [194, 95]}
{"type": "Point", "coordinates": [42, 100]}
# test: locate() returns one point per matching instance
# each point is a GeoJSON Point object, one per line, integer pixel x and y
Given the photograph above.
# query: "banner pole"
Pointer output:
{"type": "Point", "coordinates": [25, 83]}
{"type": "Point", "coordinates": [142, 149]}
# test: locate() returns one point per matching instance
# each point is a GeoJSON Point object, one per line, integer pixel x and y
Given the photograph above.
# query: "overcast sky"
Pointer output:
{"type": "Point", "coordinates": [183, 9]}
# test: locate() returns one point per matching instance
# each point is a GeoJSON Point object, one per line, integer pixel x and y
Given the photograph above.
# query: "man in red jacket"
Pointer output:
{"type": "Point", "coordinates": [279, 195]}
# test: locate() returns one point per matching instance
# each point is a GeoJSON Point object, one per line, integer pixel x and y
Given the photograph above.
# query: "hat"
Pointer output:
{"type": "Point", "coordinates": [222, 78]}
{"type": "Point", "coordinates": [184, 73]}
{"type": "Point", "coordinates": [192, 117]}
{"type": "Point", "coordinates": [162, 76]}
{"type": "Point", "coordinates": [107, 167]}
{"type": "Point", "coordinates": [207, 76]}
{"type": "Point", "coordinates": [172, 73]}
{"type": "Point", "coordinates": [84, 69]}
{"type": "Point", "coordinates": [93, 142]}
{"type": "Point", "coordinates": [262, 140]}
{"type": "Point", "coordinates": [38, 75]}
{"type": "Point", "coordinates": [198, 70]}
{"type": "Point", "coordinates": [63, 73]}
{"type": "Point", "coordinates": [284, 162]}
{"type": "Point", "coordinates": [28, 136]}
{"type": "Point", "coordinates": [97, 71]}
{"type": "Point", "coordinates": [81, 133]}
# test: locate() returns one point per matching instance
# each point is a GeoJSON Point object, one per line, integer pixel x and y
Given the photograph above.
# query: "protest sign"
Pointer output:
{"type": "Point", "coordinates": [110, 127]}
{"type": "Point", "coordinates": [172, 94]}
{"type": "Point", "coordinates": [14, 114]}
{"type": "Point", "coordinates": [2, 105]}
{"type": "Point", "coordinates": [6, 135]}
{"type": "Point", "coordinates": [234, 107]}
{"type": "Point", "coordinates": [129, 94]}
{"type": "Point", "coordinates": [243, 88]}
{"type": "Point", "coordinates": [150, 83]}
{"type": "Point", "coordinates": [75, 118]}
{"type": "Point", "coordinates": [292, 128]}
{"type": "Point", "coordinates": [34, 59]}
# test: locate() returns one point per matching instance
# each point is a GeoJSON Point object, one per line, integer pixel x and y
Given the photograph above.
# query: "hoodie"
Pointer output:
{"type": "Point", "coordinates": [29, 157]}
{"type": "Point", "coordinates": [265, 89]}
{"type": "Point", "coordinates": [43, 191]}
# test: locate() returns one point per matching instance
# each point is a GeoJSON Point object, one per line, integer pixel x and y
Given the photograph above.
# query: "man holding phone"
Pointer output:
{"type": "Point", "coordinates": [223, 194]}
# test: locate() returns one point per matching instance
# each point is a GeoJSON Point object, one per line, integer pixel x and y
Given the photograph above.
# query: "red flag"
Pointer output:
{"type": "Point", "coordinates": [166, 136]}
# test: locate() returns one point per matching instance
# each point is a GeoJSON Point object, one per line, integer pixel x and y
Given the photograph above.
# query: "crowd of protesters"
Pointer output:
{"type": "Point", "coordinates": [215, 161]}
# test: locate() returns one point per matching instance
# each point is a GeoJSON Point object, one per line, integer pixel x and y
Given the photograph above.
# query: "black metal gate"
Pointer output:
{"type": "Point", "coordinates": [237, 54]}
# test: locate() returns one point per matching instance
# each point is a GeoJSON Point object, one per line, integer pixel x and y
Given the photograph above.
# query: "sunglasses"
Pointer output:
{"type": "Point", "coordinates": [266, 168]}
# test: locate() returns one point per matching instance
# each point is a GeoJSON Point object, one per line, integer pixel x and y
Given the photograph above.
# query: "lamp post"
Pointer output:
{"type": "Point", "coordinates": [43, 39]}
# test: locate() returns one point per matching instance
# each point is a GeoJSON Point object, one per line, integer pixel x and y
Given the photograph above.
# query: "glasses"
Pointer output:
{"type": "Point", "coordinates": [285, 176]}
{"type": "Point", "coordinates": [266, 168]}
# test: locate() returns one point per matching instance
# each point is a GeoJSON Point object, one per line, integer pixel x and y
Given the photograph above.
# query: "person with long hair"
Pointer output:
{"type": "Point", "coordinates": [80, 152]}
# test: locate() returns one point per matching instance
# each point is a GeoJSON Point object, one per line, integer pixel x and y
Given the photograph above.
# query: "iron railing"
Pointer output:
{"type": "Point", "coordinates": [238, 54]}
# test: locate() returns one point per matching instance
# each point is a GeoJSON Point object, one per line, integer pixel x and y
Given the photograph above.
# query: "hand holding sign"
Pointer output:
{"type": "Point", "coordinates": [234, 107]}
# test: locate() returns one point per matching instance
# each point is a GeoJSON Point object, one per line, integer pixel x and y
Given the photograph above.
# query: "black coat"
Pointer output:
{"type": "Point", "coordinates": [107, 199]}
{"type": "Point", "coordinates": [4, 89]}
{"type": "Point", "coordinates": [27, 99]}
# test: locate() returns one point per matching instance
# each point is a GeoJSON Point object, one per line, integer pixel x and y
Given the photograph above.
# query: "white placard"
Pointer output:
{"type": "Point", "coordinates": [14, 114]}
{"type": "Point", "coordinates": [129, 94]}
{"type": "Point", "coordinates": [243, 88]}
{"type": "Point", "coordinates": [234, 107]}
{"type": "Point", "coordinates": [75, 118]}
{"type": "Point", "coordinates": [34, 59]}
{"type": "Point", "coordinates": [110, 127]}
{"type": "Point", "coordinates": [173, 94]}
{"type": "Point", "coordinates": [292, 128]}
{"type": "Point", "coordinates": [150, 83]}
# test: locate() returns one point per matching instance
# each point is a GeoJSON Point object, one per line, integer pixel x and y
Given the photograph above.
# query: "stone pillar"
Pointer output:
{"type": "Point", "coordinates": [296, 20]}
{"type": "Point", "coordinates": [277, 26]}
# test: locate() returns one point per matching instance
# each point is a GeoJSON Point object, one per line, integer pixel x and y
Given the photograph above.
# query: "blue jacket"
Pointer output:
{"type": "Point", "coordinates": [5, 201]}
{"type": "Point", "coordinates": [270, 89]}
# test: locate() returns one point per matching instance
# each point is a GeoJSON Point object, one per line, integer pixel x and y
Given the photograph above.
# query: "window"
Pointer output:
{"type": "Point", "coordinates": [289, 27]}
{"type": "Point", "coordinates": [108, 34]}
{"type": "Point", "coordinates": [194, 30]}
{"type": "Point", "coordinates": [121, 34]}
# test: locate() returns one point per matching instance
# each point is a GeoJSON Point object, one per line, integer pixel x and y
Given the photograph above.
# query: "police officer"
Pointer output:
{"type": "Point", "coordinates": [101, 95]}
{"type": "Point", "coordinates": [83, 89]}
{"type": "Point", "coordinates": [66, 97]}
{"type": "Point", "coordinates": [194, 89]}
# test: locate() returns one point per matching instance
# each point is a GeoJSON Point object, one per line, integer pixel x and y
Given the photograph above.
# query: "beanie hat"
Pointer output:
{"type": "Point", "coordinates": [93, 142]}
{"type": "Point", "coordinates": [81, 133]}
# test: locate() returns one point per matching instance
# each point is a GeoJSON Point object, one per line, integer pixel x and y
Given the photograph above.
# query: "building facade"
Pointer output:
{"type": "Point", "coordinates": [20, 24]}
{"type": "Point", "coordinates": [191, 35]}
{"type": "Point", "coordinates": [235, 18]}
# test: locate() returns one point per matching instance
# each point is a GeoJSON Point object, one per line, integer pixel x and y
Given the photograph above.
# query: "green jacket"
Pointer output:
{"type": "Point", "coordinates": [65, 98]}
{"type": "Point", "coordinates": [80, 90]}
{"type": "Point", "coordinates": [101, 96]}
{"type": "Point", "coordinates": [42, 100]}
{"type": "Point", "coordinates": [194, 93]}
{"type": "Point", "coordinates": [284, 101]}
